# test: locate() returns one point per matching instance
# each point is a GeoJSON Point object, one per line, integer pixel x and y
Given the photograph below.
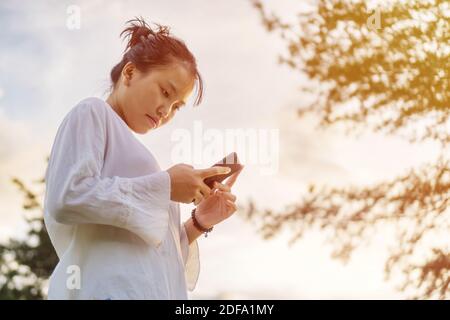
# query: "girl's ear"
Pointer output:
{"type": "Point", "coordinates": [127, 73]}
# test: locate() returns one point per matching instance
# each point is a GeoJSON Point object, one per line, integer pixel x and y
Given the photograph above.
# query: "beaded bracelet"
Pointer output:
{"type": "Point", "coordinates": [198, 226]}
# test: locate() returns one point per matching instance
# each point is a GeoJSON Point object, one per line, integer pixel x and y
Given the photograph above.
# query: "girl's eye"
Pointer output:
{"type": "Point", "coordinates": [177, 108]}
{"type": "Point", "coordinates": [165, 93]}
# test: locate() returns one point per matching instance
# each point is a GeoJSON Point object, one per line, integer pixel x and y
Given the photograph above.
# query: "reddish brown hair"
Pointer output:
{"type": "Point", "coordinates": [148, 49]}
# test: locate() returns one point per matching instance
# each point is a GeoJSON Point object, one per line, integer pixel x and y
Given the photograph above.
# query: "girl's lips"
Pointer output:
{"type": "Point", "coordinates": [152, 121]}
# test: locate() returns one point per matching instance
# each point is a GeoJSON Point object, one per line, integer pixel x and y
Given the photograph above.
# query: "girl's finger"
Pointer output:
{"type": "Point", "coordinates": [227, 195]}
{"type": "Point", "coordinates": [232, 179]}
{"type": "Point", "coordinates": [198, 198]}
{"type": "Point", "coordinates": [205, 190]}
{"type": "Point", "coordinates": [222, 186]}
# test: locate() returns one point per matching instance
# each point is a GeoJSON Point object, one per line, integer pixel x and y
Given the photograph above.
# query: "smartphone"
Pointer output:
{"type": "Point", "coordinates": [231, 161]}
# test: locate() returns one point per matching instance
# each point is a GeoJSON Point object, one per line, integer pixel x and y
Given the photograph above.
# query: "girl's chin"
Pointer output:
{"type": "Point", "coordinates": [143, 130]}
{"type": "Point", "coordinates": [140, 129]}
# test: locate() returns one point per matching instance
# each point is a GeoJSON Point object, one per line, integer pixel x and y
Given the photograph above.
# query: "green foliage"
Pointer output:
{"type": "Point", "coordinates": [26, 264]}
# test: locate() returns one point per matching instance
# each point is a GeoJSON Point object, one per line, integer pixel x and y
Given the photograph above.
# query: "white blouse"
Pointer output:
{"type": "Point", "coordinates": [108, 212]}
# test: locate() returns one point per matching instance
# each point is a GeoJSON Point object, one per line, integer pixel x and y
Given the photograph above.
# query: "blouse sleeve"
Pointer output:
{"type": "Point", "coordinates": [191, 259]}
{"type": "Point", "coordinates": [77, 194]}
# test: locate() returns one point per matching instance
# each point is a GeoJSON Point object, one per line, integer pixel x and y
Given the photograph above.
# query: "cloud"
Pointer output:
{"type": "Point", "coordinates": [263, 269]}
{"type": "Point", "coordinates": [331, 156]}
{"type": "Point", "coordinates": [21, 156]}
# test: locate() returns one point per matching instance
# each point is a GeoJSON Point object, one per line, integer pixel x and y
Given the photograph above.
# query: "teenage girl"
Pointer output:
{"type": "Point", "coordinates": [112, 214]}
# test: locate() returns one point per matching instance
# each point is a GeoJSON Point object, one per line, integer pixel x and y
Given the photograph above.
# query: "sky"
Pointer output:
{"type": "Point", "coordinates": [47, 67]}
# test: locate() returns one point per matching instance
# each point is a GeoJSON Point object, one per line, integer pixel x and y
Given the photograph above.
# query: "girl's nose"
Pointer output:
{"type": "Point", "coordinates": [163, 111]}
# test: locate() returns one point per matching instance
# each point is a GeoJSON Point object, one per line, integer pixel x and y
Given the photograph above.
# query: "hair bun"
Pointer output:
{"type": "Point", "coordinates": [138, 31]}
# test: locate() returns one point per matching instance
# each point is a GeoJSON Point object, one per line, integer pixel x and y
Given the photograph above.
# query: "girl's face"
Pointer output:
{"type": "Point", "coordinates": [147, 100]}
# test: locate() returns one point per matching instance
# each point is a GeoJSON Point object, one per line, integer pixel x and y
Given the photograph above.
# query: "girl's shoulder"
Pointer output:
{"type": "Point", "coordinates": [92, 105]}
{"type": "Point", "coordinates": [91, 110]}
{"type": "Point", "coordinates": [89, 114]}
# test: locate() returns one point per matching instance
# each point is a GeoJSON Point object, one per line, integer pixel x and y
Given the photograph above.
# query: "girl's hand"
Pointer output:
{"type": "Point", "coordinates": [219, 206]}
{"type": "Point", "coordinates": [187, 185]}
